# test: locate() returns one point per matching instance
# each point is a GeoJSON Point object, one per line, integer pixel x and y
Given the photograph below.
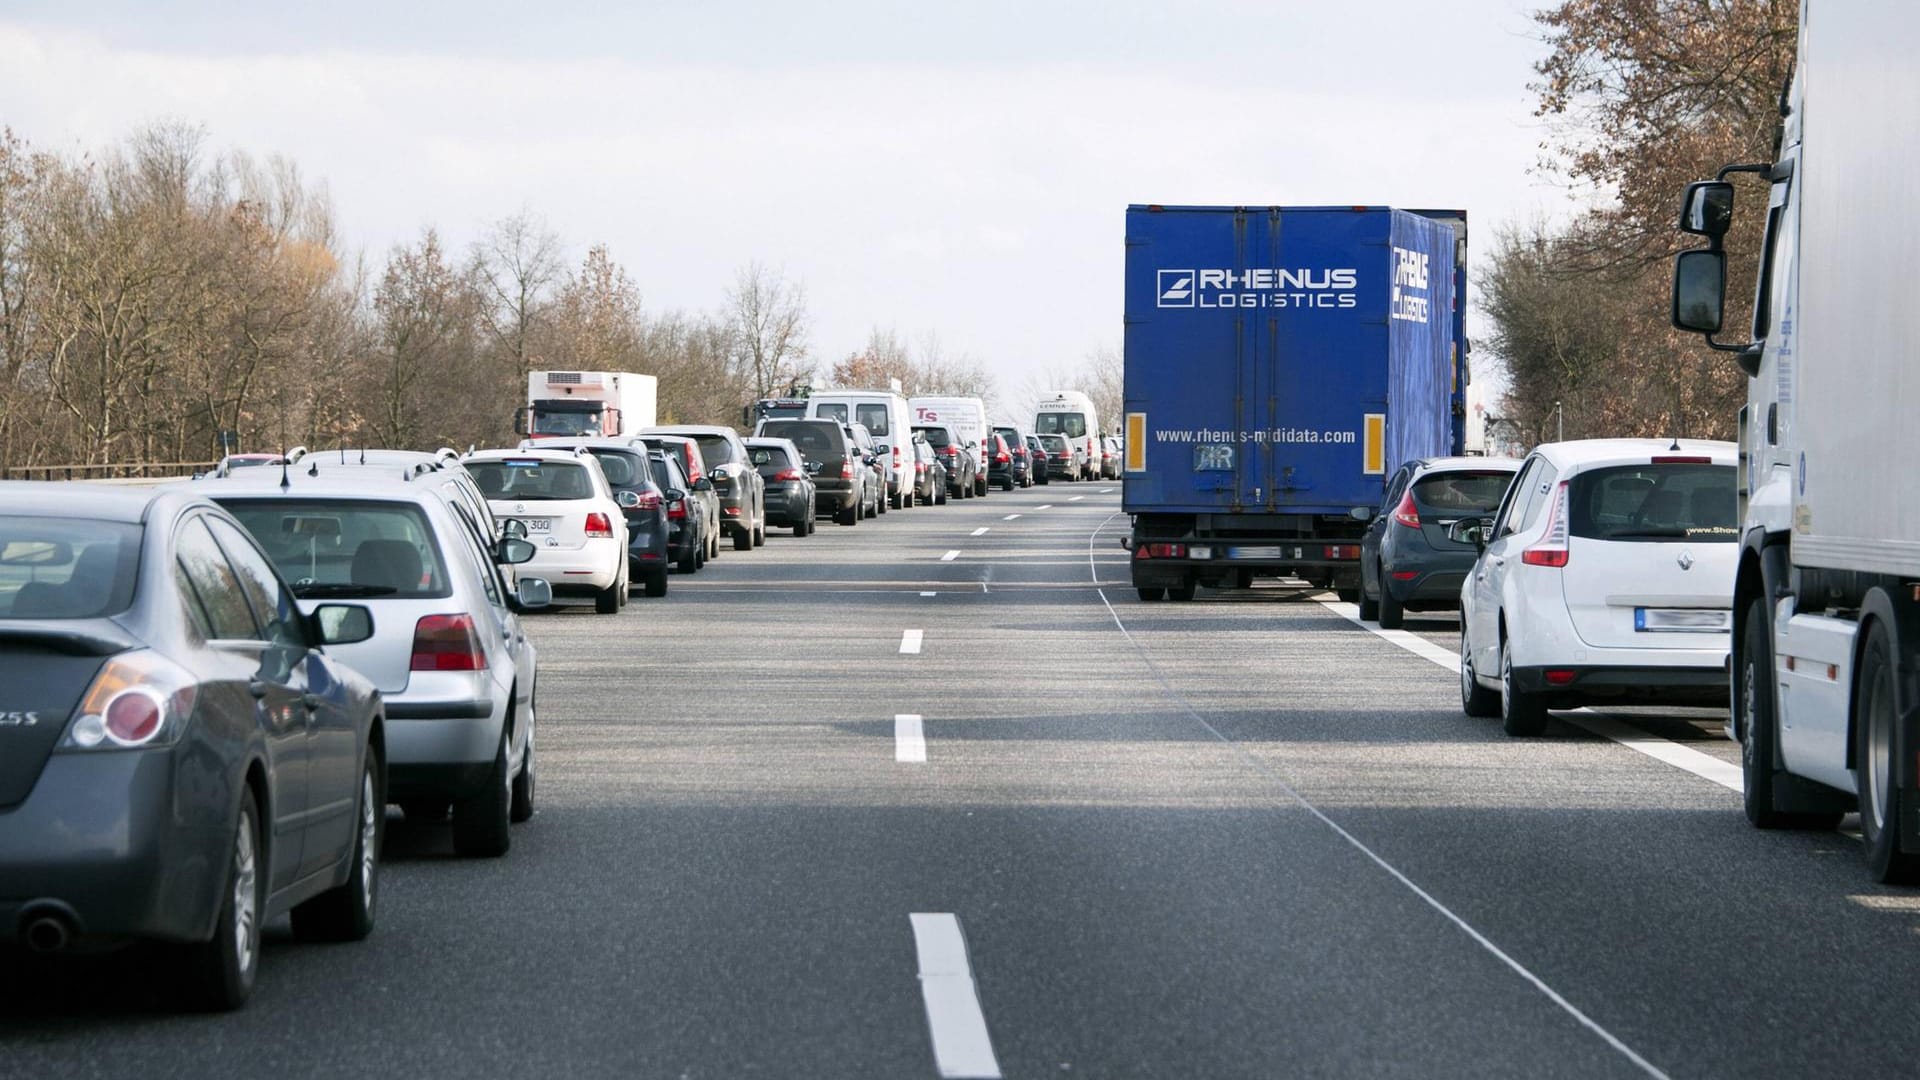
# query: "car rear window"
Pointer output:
{"type": "Point", "coordinates": [66, 568]}
{"type": "Point", "coordinates": [776, 458]}
{"type": "Point", "coordinates": [532, 478]}
{"type": "Point", "coordinates": [818, 440]}
{"type": "Point", "coordinates": [1664, 501]}
{"type": "Point", "coordinates": [347, 547]}
{"type": "Point", "coordinates": [936, 437]}
{"type": "Point", "coordinates": [715, 449]}
{"type": "Point", "coordinates": [622, 467]}
{"type": "Point", "coordinates": [1055, 444]}
{"type": "Point", "coordinates": [1461, 492]}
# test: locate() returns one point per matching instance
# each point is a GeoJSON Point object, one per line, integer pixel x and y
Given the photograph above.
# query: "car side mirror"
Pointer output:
{"type": "Point", "coordinates": [521, 425]}
{"type": "Point", "coordinates": [533, 594]}
{"type": "Point", "coordinates": [513, 551]}
{"type": "Point", "coordinates": [627, 499]}
{"type": "Point", "coordinates": [340, 624]}
{"type": "Point", "coordinates": [1699, 290]}
{"type": "Point", "coordinates": [513, 529]}
{"type": "Point", "coordinates": [1707, 208]}
{"type": "Point", "coordinates": [703, 484]}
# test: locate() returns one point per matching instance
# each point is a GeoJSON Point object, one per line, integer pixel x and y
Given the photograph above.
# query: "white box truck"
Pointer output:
{"type": "Point", "coordinates": [576, 404]}
{"type": "Point", "coordinates": [1826, 603]}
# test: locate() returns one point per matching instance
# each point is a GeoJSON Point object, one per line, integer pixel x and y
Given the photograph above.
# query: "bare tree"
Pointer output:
{"type": "Point", "coordinates": [516, 266]}
{"type": "Point", "coordinates": [768, 315]}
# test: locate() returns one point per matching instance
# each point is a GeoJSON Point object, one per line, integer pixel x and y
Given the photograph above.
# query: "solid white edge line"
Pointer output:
{"type": "Point", "coordinates": [909, 738]}
{"type": "Point", "coordinates": [962, 1049]}
{"type": "Point", "coordinates": [910, 641]}
{"type": "Point", "coordinates": [981, 531]}
{"type": "Point", "coordinates": [1429, 899]}
{"type": "Point", "coordinates": [1685, 758]}
{"type": "Point", "coordinates": [950, 556]}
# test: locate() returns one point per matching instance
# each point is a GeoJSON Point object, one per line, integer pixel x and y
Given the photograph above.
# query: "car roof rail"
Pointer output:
{"type": "Point", "coordinates": [446, 453]}
{"type": "Point", "coordinates": [296, 454]}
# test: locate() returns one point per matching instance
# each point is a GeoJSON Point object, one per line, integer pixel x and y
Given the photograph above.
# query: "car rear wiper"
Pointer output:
{"type": "Point", "coordinates": [340, 590]}
{"type": "Point", "coordinates": [1675, 534]}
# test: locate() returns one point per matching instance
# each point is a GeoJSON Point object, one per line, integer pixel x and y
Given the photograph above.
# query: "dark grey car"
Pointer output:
{"type": "Point", "coordinates": [180, 758]}
{"type": "Point", "coordinates": [839, 476]}
{"type": "Point", "coordinates": [1407, 561]}
{"type": "Point", "coordinates": [743, 495]}
{"type": "Point", "coordinates": [790, 491]}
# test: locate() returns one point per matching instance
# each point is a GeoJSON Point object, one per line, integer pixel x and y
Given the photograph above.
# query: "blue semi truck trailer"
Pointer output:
{"type": "Point", "coordinates": [1281, 362]}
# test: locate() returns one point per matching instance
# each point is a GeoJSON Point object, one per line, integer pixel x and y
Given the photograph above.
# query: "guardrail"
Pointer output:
{"type": "Point", "coordinates": [145, 470]}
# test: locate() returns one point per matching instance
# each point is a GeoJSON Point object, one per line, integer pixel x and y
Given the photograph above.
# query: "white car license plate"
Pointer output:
{"type": "Point", "coordinates": [1681, 620]}
{"type": "Point", "coordinates": [538, 525]}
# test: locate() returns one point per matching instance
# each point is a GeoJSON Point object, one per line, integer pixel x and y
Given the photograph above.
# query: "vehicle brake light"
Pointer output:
{"type": "Point", "coordinates": [677, 511]}
{"type": "Point", "coordinates": [789, 474]}
{"type": "Point", "coordinates": [598, 527]}
{"type": "Point", "coordinates": [1559, 677]}
{"type": "Point", "coordinates": [1343, 551]}
{"type": "Point", "coordinates": [1002, 457]}
{"type": "Point", "coordinates": [1160, 551]}
{"type": "Point", "coordinates": [137, 699]}
{"type": "Point", "coordinates": [846, 469]}
{"type": "Point", "coordinates": [1405, 575]}
{"type": "Point", "coordinates": [896, 457]}
{"type": "Point", "coordinates": [649, 500]}
{"type": "Point", "coordinates": [1682, 460]}
{"type": "Point", "coordinates": [1552, 548]}
{"type": "Point", "coordinates": [447, 643]}
{"type": "Point", "coordinates": [1405, 513]}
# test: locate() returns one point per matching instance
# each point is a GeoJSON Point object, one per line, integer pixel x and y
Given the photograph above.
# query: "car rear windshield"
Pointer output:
{"type": "Point", "coordinates": [532, 479]}
{"type": "Point", "coordinates": [1461, 492]}
{"type": "Point", "coordinates": [818, 440]}
{"type": "Point", "coordinates": [1009, 434]}
{"type": "Point", "coordinates": [936, 437]}
{"type": "Point", "coordinates": [621, 466]}
{"type": "Point", "coordinates": [1054, 443]}
{"type": "Point", "coordinates": [774, 460]}
{"type": "Point", "coordinates": [1665, 501]}
{"type": "Point", "coordinates": [66, 568]}
{"type": "Point", "coordinates": [1070, 424]}
{"type": "Point", "coordinates": [715, 449]}
{"type": "Point", "coordinates": [347, 547]}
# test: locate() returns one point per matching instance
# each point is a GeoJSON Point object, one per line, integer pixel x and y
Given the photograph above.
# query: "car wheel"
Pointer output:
{"type": "Point", "coordinates": [743, 540]}
{"type": "Point", "coordinates": [1392, 611]}
{"type": "Point", "coordinates": [849, 516]}
{"type": "Point", "coordinates": [1369, 607]}
{"type": "Point", "coordinates": [1475, 700]}
{"type": "Point", "coordinates": [221, 972]}
{"type": "Point", "coordinates": [1151, 593]}
{"type": "Point", "coordinates": [1876, 742]}
{"type": "Point", "coordinates": [345, 912]}
{"type": "Point", "coordinates": [1182, 591]}
{"type": "Point", "coordinates": [480, 822]}
{"type": "Point", "coordinates": [690, 561]}
{"type": "Point", "coordinates": [941, 498]}
{"type": "Point", "coordinates": [760, 536]}
{"type": "Point", "coordinates": [1351, 594]}
{"type": "Point", "coordinates": [1521, 713]}
{"type": "Point", "coordinates": [607, 600]}
{"type": "Point", "coordinates": [520, 798]}
{"type": "Point", "coordinates": [657, 582]}
{"type": "Point", "coordinates": [980, 486]}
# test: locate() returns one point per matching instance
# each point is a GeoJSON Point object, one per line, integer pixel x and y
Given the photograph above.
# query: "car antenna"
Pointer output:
{"type": "Point", "coordinates": [363, 455]}
{"type": "Point", "coordinates": [313, 469]}
{"type": "Point", "coordinates": [285, 481]}
{"type": "Point", "coordinates": [1675, 448]}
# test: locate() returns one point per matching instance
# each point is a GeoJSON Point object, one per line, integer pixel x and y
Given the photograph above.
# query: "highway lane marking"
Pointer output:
{"type": "Point", "coordinates": [1044, 506]}
{"type": "Point", "coordinates": [1107, 491]}
{"type": "Point", "coordinates": [909, 738]}
{"type": "Point", "coordinates": [981, 531]}
{"type": "Point", "coordinates": [1286, 785]}
{"type": "Point", "coordinates": [1009, 517]}
{"type": "Point", "coordinates": [910, 642]}
{"type": "Point", "coordinates": [1685, 758]}
{"type": "Point", "coordinates": [1076, 498]}
{"type": "Point", "coordinates": [961, 1045]}
{"type": "Point", "coordinates": [950, 556]}
{"type": "Point", "coordinates": [929, 594]}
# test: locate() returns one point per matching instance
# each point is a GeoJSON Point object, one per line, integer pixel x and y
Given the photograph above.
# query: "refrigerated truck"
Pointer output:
{"type": "Point", "coordinates": [1825, 663]}
{"type": "Point", "coordinates": [1280, 363]}
{"type": "Point", "coordinates": [573, 404]}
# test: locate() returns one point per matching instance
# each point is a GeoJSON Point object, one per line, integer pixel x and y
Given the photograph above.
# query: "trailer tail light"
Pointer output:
{"type": "Point", "coordinates": [1405, 513]}
{"type": "Point", "coordinates": [1160, 551]}
{"type": "Point", "coordinates": [447, 643]}
{"type": "Point", "coordinates": [1343, 551]}
{"type": "Point", "coordinates": [599, 526]}
{"type": "Point", "coordinates": [1552, 548]}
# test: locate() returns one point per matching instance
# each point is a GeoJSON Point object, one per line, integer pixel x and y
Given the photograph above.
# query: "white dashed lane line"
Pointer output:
{"type": "Point", "coordinates": [909, 738]}
{"type": "Point", "coordinates": [1010, 517]}
{"type": "Point", "coordinates": [950, 556]}
{"type": "Point", "coordinates": [1076, 498]}
{"type": "Point", "coordinates": [961, 1046]}
{"type": "Point", "coordinates": [929, 594]}
{"type": "Point", "coordinates": [910, 642]}
{"type": "Point", "coordinates": [981, 531]}
{"type": "Point", "coordinates": [1044, 506]}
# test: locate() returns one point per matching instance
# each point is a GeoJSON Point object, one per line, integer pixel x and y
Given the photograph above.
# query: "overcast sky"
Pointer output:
{"type": "Point", "coordinates": [959, 169]}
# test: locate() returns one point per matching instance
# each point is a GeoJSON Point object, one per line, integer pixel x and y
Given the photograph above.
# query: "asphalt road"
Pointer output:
{"type": "Point", "coordinates": [1242, 837]}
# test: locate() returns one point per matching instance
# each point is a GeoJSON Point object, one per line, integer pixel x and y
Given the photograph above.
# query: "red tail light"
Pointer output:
{"type": "Point", "coordinates": [598, 527]}
{"type": "Point", "coordinates": [1160, 551]}
{"type": "Point", "coordinates": [1559, 677]}
{"type": "Point", "coordinates": [1342, 551]}
{"type": "Point", "coordinates": [677, 511]}
{"type": "Point", "coordinates": [1002, 458]}
{"type": "Point", "coordinates": [648, 501]}
{"type": "Point", "coordinates": [846, 470]}
{"type": "Point", "coordinates": [789, 474]}
{"type": "Point", "coordinates": [447, 643]}
{"type": "Point", "coordinates": [919, 466]}
{"type": "Point", "coordinates": [1552, 548]}
{"type": "Point", "coordinates": [1405, 514]}
{"type": "Point", "coordinates": [896, 457]}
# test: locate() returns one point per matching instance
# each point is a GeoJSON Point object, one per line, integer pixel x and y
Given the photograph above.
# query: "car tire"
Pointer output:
{"type": "Point", "coordinates": [980, 486]}
{"type": "Point", "coordinates": [1369, 607]}
{"type": "Point", "coordinates": [743, 540]}
{"type": "Point", "coordinates": [1521, 714]}
{"type": "Point", "coordinates": [1876, 750]}
{"type": "Point", "coordinates": [346, 911]}
{"type": "Point", "coordinates": [1392, 612]}
{"type": "Point", "coordinates": [607, 600]}
{"type": "Point", "coordinates": [1475, 700]}
{"type": "Point", "coordinates": [940, 497]}
{"type": "Point", "coordinates": [849, 516]}
{"type": "Point", "coordinates": [480, 822]}
{"type": "Point", "coordinates": [760, 536]}
{"type": "Point", "coordinates": [690, 561]}
{"type": "Point", "coordinates": [1753, 701]}
{"type": "Point", "coordinates": [1151, 593]}
{"type": "Point", "coordinates": [1182, 591]}
{"type": "Point", "coordinates": [1350, 594]}
{"type": "Point", "coordinates": [220, 973]}
{"type": "Point", "coordinates": [657, 582]}
{"type": "Point", "coordinates": [520, 798]}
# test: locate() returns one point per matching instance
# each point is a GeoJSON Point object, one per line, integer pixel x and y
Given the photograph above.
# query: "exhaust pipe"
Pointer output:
{"type": "Point", "coordinates": [47, 934]}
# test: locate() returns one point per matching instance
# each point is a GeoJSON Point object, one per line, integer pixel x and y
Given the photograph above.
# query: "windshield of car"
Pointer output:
{"type": "Point", "coordinates": [1461, 492]}
{"type": "Point", "coordinates": [1011, 435]}
{"type": "Point", "coordinates": [66, 568]}
{"type": "Point", "coordinates": [818, 440]}
{"type": "Point", "coordinates": [663, 472]}
{"type": "Point", "coordinates": [532, 479]}
{"type": "Point", "coordinates": [1071, 424]}
{"type": "Point", "coordinates": [1663, 501]}
{"type": "Point", "coordinates": [347, 548]}
{"type": "Point", "coordinates": [621, 466]}
{"type": "Point", "coordinates": [936, 437]}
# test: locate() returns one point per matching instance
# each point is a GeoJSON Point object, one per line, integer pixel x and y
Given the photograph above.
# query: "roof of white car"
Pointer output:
{"type": "Point", "coordinates": [356, 483]}
{"type": "Point", "coordinates": [1469, 461]}
{"type": "Point", "coordinates": [540, 454]}
{"type": "Point", "coordinates": [1590, 452]}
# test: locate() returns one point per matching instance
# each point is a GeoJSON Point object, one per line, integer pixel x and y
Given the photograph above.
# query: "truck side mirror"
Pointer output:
{"type": "Point", "coordinates": [1699, 290]}
{"type": "Point", "coordinates": [1707, 208]}
{"type": "Point", "coordinates": [521, 426]}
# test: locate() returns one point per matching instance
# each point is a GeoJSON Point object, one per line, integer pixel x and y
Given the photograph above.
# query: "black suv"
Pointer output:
{"type": "Point", "coordinates": [839, 472]}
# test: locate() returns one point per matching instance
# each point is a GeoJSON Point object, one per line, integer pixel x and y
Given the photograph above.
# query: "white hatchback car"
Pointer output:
{"type": "Point", "coordinates": [1606, 576]}
{"type": "Point", "coordinates": [570, 514]}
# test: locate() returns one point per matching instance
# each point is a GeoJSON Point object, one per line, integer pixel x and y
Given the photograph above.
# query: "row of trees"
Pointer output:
{"type": "Point", "coordinates": [157, 295]}
{"type": "Point", "coordinates": [1640, 97]}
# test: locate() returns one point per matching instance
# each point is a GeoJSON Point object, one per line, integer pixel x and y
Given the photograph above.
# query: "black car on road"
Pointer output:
{"type": "Point", "coordinates": [790, 491]}
{"type": "Point", "coordinates": [956, 455]}
{"type": "Point", "coordinates": [743, 497]}
{"type": "Point", "coordinates": [687, 541]}
{"type": "Point", "coordinates": [1407, 560]}
{"type": "Point", "coordinates": [841, 489]}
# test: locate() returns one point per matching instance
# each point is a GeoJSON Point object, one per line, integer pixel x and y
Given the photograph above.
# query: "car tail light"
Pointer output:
{"type": "Point", "coordinates": [137, 699]}
{"type": "Point", "coordinates": [1405, 513]}
{"type": "Point", "coordinates": [789, 474]}
{"type": "Point", "coordinates": [1405, 575]}
{"type": "Point", "coordinates": [1002, 457]}
{"type": "Point", "coordinates": [919, 466]}
{"type": "Point", "coordinates": [598, 526]}
{"type": "Point", "coordinates": [1552, 548]}
{"type": "Point", "coordinates": [447, 643]}
{"type": "Point", "coordinates": [649, 500]}
{"type": "Point", "coordinates": [846, 469]}
{"type": "Point", "coordinates": [1559, 677]}
{"type": "Point", "coordinates": [677, 511]}
{"type": "Point", "coordinates": [896, 457]}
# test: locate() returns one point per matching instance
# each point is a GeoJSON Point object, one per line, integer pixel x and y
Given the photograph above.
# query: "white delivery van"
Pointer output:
{"type": "Point", "coordinates": [967, 416]}
{"type": "Point", "coordinates": [887, 419]}
{"type": "Point", "coordinates": [1069, 414]}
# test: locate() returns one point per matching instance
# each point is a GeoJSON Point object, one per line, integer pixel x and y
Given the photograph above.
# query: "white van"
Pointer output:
{"type": "Point", "coordinates": [968, 418]}
{"type": "Point", "coordinates": [1069, 414]}
{"type": "Point", "coordinates": [886, 417]}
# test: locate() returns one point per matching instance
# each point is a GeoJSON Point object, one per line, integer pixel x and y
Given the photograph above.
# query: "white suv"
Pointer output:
{"type": "Point", "coordinates": [1605, 576]}
{"type": "Point", "coordinates": [578, 529]}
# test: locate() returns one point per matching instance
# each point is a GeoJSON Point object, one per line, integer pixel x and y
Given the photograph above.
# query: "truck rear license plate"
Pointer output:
{"type": "Point", "coordinates": [1253, 553]}
{"type": "Point", "coordinates": [1681, 620]}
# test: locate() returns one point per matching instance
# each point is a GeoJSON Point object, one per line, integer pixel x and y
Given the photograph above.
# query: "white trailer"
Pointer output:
{"type": "Point", "coordinates": [572, 404]}
{"type": "Point", "coordinates": [1826, 606]}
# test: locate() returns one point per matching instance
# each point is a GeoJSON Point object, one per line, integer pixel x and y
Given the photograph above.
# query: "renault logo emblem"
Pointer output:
{"type": "Point", "coordinates": [1686, 560]}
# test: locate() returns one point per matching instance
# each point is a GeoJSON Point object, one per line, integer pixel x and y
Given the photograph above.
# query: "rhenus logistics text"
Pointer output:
{"type": "Point", "coordinates": [1261, 287]}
